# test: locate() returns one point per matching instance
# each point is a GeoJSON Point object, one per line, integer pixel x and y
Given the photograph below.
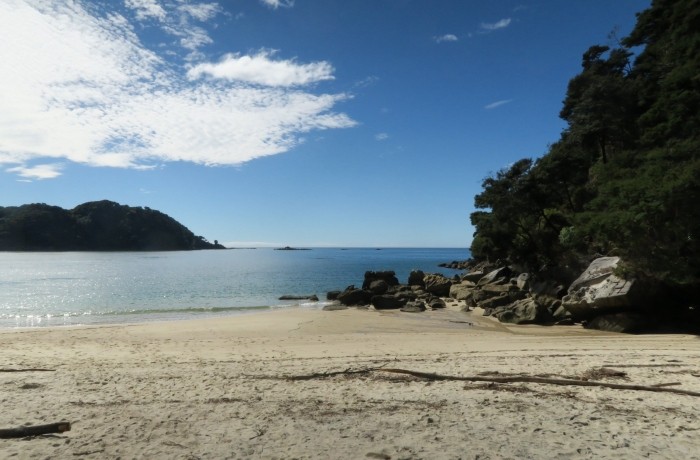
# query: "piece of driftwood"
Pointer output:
{"type": "Point", "coordinates": [547, 381]}
{"type": "Point", "coordinates": [28, 370]}
{"type": "Point", "coordinates": [323, 375]}
{"type": "Point", "coordinates": [35, 430]}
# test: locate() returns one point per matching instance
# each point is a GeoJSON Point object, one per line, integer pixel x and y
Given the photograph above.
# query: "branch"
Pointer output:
{"type": "Point", "coordinates": [35, 430]}
{"type": "Point", "coordinates": [28, 370]}
{"type": "Point", "coordinates": [543, 380]}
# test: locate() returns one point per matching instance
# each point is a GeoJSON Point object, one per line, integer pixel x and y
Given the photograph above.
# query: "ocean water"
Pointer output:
{"type": "Point", "coordinates": [73, 288]}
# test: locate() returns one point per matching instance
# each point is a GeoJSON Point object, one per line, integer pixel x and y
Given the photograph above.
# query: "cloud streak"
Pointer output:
{"type": "Point", "coordinates": [261, 69]}
{"type": "Point", "coordinates": [490, 27]}
{"type": "Point", "coordinates": [497, 104]}
{"type": "Point", "coordinates": [446, 38]}
{"type": "Point", "coordinates": [85, 89]}
{"type": "Point", "coordinates": [274, 4]}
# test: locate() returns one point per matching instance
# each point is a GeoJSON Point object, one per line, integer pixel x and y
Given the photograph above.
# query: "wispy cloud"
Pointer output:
{"type": "Point", "coordinates": [261, 69]}
{"type": "Point", "coordinates": [38, 172]}
{"type": "Point", "coordinates": [274, 4]}
{"type": "Point", "coordinates": [86, 89]}
{"type": "Point", "coordinates": [381, 136]}
{"type": "Point", "coordinates": [497, 104]}
{"type": "Point", "coordinates": [446, 38]}
{"type": "Point", "coordinates": [502, 24]}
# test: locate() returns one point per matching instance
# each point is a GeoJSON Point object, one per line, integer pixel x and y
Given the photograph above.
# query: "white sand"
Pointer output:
{"type": "Point", "coordinates": [211, 389]}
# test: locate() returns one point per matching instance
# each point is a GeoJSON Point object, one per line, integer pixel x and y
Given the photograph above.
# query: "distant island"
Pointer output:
{"type": "Point", "coordinates": [94, 226]}
{"type": "Point", "coordinates": [289, 248]}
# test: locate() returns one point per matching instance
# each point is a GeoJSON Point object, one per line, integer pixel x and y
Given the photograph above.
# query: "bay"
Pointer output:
{"type": "Point", "coordinates": [73, 288]}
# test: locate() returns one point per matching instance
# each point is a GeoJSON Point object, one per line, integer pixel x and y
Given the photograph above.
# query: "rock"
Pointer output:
{"type": "Point", "coordinates": [414, 307]}
{"type": "Point", "coordinates": [547, 288]}
{"type": "Point", "coordinates": [629, 322]}
{"type": "Point", "coordinates": [387, 302]}
{"type": "Point", "coordinates": [332, 295]}
{"type": "Point", "coordinates": [525, 311]}
{"type": "Point", "coordinates": [493, 302]}
{"type": "Point", "coordinates": [352, 296]}
{"type": "Point", "coordinates": [437, 303]}
{"type": "Point", "coordinates": [597, 271]}
{"type": "Point", "coordinates": [389, 277]}
{"type": "Point", "coordinates": [437, 284]}
{"type": "Point", "coordinates": [523, 281]}
{"type": "Point", "coordinates": [491, 277]}
{"type": "Point", "coordinates": [334, 307]}
{"type": "Point", "coordinates": [378, 287]}
{"type": "Point", "coordinates": [598, 290]}
{"type": "Point", "coordinates": [461, 291]}
{"type": "Point", "coordinates": [474, 276]}
{"type": "Point", "coordinates": [415, 278]}
{"type": "Point", "coordinates": [312, 298]}
{"type": "Point", "coordinates": [561, 314]}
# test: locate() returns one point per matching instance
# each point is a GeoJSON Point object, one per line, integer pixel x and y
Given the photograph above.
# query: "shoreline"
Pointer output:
{"type": "Point", "coordinates": [216, 388]}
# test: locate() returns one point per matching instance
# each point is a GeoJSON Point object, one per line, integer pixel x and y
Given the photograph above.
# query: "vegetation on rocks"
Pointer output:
{"type": "Point", "coordinates": [624, 177]}
{"type": "Point", "coordinates": [95, 226]}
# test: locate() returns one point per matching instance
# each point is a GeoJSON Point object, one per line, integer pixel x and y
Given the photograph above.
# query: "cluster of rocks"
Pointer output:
{"type": "Point", "coordinates": [598, 298]}
{"type": "Point", "coordinates": [382, 290]}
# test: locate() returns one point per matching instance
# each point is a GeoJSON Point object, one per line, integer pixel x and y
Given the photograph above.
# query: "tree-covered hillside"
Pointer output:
{"type": "Point", "coordinates": [624, 178]}
{"type": "Point", "coordinates": [94, 226]}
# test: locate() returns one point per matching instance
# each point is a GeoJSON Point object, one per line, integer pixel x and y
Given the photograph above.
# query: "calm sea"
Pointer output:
{"type": "Point", "coordinates": [71, 288]}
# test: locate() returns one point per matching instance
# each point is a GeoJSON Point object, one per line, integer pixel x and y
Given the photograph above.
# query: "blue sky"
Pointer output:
{"type": "Point", "coordinates": [272, 122]}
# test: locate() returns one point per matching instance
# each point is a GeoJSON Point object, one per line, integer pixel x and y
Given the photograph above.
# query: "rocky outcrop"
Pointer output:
{"type": "Point", "coordinates": [354, 297]}
{"type": "Point", "coordinates": [438, 285]}
{"type": "Point", "coordinates": [389, 277]}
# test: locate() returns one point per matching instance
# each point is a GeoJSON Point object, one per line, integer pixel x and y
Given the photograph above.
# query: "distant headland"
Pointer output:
{"type": "Point", "coordinates": [94, 226]}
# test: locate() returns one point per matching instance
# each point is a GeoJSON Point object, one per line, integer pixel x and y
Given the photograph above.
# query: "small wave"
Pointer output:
{"type": "Point", "coordinates": [157, 311]}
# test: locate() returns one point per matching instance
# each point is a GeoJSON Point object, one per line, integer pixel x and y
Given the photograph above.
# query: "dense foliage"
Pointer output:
{"type": "Point", "coordinates": [94, 226]}
{"type": "Point", "coordinates": [624, 178]}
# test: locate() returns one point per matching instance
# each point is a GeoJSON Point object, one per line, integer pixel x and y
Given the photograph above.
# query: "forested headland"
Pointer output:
{"type": "Point", "coordinates": [94, 226]}
{"type": "Point", "coordinates": [624, 177]}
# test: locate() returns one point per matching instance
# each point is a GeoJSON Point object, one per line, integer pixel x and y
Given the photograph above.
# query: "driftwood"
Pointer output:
{"type": "Point", "coordinates": [28, 370]}
{"type": "Point", "coordinates": [35, 430]}
{"type": "Point", "coordinates": [662, 388]}
{"type": "Point", "coordinates": [658, 388]}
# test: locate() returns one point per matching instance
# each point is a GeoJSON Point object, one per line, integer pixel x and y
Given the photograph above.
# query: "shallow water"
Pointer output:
{"type": "Point", "coordinates": [70, 288]}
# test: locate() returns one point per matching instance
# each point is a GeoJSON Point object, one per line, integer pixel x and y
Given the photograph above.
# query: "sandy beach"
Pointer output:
{"type": "Point", "coordinates": [220, 388]}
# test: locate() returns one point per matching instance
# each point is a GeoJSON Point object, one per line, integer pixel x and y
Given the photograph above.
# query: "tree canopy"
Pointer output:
{"type": "Point", "coordinates": [624, 177]}
{"type": "Point", "coordinates": [95, 226]}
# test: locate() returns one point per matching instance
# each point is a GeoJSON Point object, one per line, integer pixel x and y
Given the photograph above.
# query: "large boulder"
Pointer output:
{"type": "Point", "coordinates": [387, 302]}
{"type": "Point", "coordinates": [598, 290]}
{"type": "Point", "coordinates": [497, 276]}
{"type": "Point", "coordinates": [378, 287]}
{"type": "Point", "coordinates": [437, 284]}
{"type": "Point", "coordinates": [414, 307]}
{"type": "Point", "coordinates": [461, 291]}
{"type": "Point", "coordinates": [525, 311]}
{"type": "Point", "coordinates": [352, 296]}
{"type": "Point", "coordinates": [389, 277]}
{"type": "Point", "coordinates": [415, 278]}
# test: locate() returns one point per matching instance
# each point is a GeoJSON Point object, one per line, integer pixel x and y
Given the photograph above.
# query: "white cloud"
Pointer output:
{"type": "Point", "coordinates": [43, 171]}
{"type": "Point", "coordinates": [502, 24]}
{"type": "Point", "coordinates": [262, 70]}
{"type": "Point", "coordinates": [496, 104]}
{"type": "Point", "coordinates": [274, 4]}
{"type": "Point", "coordinates": [201, 11]}
{"type": "Point", "coordinates": [146, 9]}
{"type": "Point", "coordinates": [381, 136]}
{"type": "Point", "coordinates": [446, 38]}
{"type": "Point", "coordinates": [85, 89]}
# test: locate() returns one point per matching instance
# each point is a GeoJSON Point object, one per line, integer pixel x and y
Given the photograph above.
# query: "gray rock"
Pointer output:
{"type": "Point", "coordinates": [525, 311]}
{"type": "Point", "coordinates": [437, 284]}
{"type": "Point", "coordinates": [378, 287]}
{"type": "Point", "coordinates": [352, 296]}
{"type": "Point", "coordinates": [597, 271]}
{"type": "Point", "coordinates": [414, 307]}
{"type": "Point", "coordinates": [389, 277]}
{"type": "Point", "coordinates": [334, 307]}
{"type": "Point", "coordinates": [415, 278]}
{"type": "Point", "coordinates": [474, 276]}
{"type": "Point", "coordinates": [461, 291]}
{"type": "Point", "coordinates": [332, 295]}
{"type": "Point", "coordinates": [523, 281]}
{"type": "Point", "coordinates": [387, 302]}
{"type": "Point", "coordinates": [491, 277]}
{"type": "Point", "coordinates": [312, 298]}
{"type": "Point", "coordinates": [437, 303]}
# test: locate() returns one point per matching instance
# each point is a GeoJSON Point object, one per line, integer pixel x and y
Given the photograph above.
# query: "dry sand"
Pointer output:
{"type": "Point", "coordinates": [213, 389]}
